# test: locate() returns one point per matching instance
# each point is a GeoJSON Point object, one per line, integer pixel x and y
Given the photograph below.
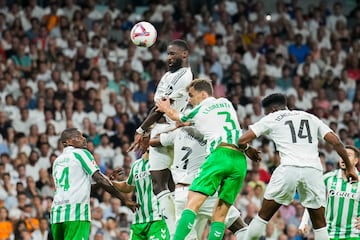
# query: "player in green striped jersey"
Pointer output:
{"type": "Point", "coordinates": [343, 205]}
{"type": "Point", "coordinates": [73, 171]}
{"type": "Point", "coordinates": [225, 167]}
{"type": "Point", "coordinates": [148, 222]}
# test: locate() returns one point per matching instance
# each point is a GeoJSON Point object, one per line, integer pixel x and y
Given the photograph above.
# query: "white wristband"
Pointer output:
{"type": "Point", "coordinates": [140, 130]}
{"type": "Point", "coordinates": [247, 147]}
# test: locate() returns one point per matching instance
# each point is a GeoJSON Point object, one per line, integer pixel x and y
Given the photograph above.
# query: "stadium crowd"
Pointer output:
{"type": "Point", "coordinates": [72, 64]}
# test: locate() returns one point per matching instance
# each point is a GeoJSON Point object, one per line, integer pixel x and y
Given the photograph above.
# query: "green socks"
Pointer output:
{"type": "Point", "coordinates": [185, 224]}
{"type": "Point", "coordinates": [216, 231]}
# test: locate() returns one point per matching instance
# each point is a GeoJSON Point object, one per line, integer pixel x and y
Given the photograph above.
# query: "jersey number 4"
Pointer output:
{"type": "Point", "coordinates": [303, 131]}
{"type": "Point", "coordinates": [63, 181]}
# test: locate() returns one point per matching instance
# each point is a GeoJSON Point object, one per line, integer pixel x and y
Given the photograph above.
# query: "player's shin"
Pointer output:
{"type": "Point", "coordinates": [167, 206]}
{"type": "Point", "coordinates": [216, 231]}
{"type": "Point", "coordinates": [185, 224]}
{"type": "Point", "coordinates": [256, 228]}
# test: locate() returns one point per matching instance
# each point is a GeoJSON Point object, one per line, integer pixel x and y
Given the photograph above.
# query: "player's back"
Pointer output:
{"type": "Point", "coordinates": [296, 135]}
{"type": "Point", "coordinates": [189, 153]}
{"type": "Point", "coordinates": [217, 120]}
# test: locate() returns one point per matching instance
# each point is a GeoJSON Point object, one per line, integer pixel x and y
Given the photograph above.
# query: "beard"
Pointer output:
{"type": "Point", "coordinates": [176, 65]}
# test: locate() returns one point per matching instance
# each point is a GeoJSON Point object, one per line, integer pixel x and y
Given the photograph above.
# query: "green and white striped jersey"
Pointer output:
{"type": "Point", "coordinates": [72, 171]}
{"type": "Point", "coordinates": [217, 120]}
{"type": "Point", "coordinates": [140, 178]}
{"type": "Point", "coordinates": [342, 206]}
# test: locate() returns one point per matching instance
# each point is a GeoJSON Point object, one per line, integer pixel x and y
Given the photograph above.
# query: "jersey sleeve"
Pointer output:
{"type": "Point", "coordinates": [87, 161]}
{"type": "Point", "coordinates": [190, 116]}
{"type": "Point", "coordinates": [323, 128]}
{"type": "Point", "coordinates": [167, 139]}
{"type": "Point", "coordinates": [130, 179]}
{"type": "Point", "coordinates": [262, 127]}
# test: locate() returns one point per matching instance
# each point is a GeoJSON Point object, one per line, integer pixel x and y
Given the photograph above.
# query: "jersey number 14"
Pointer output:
{"type": "Point", "coordinates": [303, 131]}
{"type": "Point", "coordinates": [63, 181]}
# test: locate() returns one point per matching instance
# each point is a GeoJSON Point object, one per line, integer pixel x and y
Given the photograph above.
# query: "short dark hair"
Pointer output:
{"type": "Point", "coordinates": [274, 99]}
{"type": "Point", "coordinates": [181, 43]}
{"type": "Point", "coordinates": [355, 149]}
{"type": "Point", "coordinates": [68, 134]}
{"type": "Point", "coordinates": [202, 85]}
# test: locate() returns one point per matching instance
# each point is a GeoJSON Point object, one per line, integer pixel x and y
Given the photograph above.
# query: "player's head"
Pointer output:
{"type": "Point", "coordinates": [353, 154]}
{"type": "Point", "coordinates": [274, 102]}
{"type": "Point", "coordinates": [199, 89]}
{"type": "Point", "coordinates": [73, 137]}
{"type": "Point", "coordinates": [178, 51]}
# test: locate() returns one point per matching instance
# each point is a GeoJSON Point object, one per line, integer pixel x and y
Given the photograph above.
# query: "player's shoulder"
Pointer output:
{"type": "Point", "coordinates": [83, 152]}
{"type": "Point", "coordinates": [329, 175]}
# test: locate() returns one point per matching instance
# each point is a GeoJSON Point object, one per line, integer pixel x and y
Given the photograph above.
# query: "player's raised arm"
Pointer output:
{"type": "Point", "coordinates": [140, 140]}
{"type": "Point", "coordinates": [340, 149]}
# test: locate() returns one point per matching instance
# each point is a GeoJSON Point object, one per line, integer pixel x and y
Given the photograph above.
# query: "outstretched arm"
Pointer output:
{"type": "Point", "coordinates": [141, 140]}
{"type": "Point", "coordinates": [163, 105]}
{"type": "Point", "coordinates": [331, 138]}
{"type": "Point", "coordinates": [243, 143]}
{"type": "Point", "coordinates": [106, 184]}
{"type": "Point", "coordinates": [123, 186]}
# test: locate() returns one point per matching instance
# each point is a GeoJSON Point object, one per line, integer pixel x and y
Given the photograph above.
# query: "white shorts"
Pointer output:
{"type": "Point", "coordinates": [161, 158]}
{"type": "Point", "coordinates": [204, 214]}
{"type": "Point", "coordinates": [308, 181]}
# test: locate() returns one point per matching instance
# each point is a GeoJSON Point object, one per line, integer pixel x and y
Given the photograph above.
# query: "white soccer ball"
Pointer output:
{"type": "Point", "coordinates": [143, 34]}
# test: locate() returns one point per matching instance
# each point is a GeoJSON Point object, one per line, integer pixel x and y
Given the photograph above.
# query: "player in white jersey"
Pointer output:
{"type": "Point", "coordinates": [173, 85]}
{"type": "Point", "coordinates": [189, 153]}
{"type": "Point", "coordinates": [73, 171]}
{"type": "Point", "coordinates": [296, 135]}
{"type": "Point", "coordinates": [225, 167]}
{"type": "Point", "coordinates": [343, 206]}
{"type": "Point", "coordinates": [148, 222]}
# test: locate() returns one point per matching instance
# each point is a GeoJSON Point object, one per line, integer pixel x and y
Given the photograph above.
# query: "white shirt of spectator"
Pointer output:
{"type": "Point", "coordinates": [251, 62]}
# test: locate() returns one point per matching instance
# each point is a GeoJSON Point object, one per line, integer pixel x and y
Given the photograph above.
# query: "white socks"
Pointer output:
{"type": "Point", "coordinates": [256, 228]}
{"type": "Point", "coordinates": [167, 208]}
{"type": "Point", "coordinates": [240, 234]}
{"type": "Point", "coordinates": [321, 234]}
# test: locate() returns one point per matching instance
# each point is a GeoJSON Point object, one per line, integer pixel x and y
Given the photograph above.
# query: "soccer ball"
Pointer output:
{"type": "Point", "coordinates": [143, 34]}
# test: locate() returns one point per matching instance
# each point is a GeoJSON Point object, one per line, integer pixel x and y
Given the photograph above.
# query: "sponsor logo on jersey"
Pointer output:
{"type": "Point", "coordinates": [141, 175]}
{"type": "Point", "coordinates": [334, 193]}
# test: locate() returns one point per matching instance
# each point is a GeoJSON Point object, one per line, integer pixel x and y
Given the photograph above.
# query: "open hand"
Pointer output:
{"type": "Point", "coordinates": [116, 173]}
{"type": "Point", "coordinates": [352, 176]}
{"type": "Point", "coordinates": [132, 205]}
{"type": "Point", "coordinates": [253, 154]}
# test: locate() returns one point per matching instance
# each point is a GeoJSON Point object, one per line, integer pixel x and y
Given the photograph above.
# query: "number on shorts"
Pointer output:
{"type": "Point", "coordinates": [301, 132]}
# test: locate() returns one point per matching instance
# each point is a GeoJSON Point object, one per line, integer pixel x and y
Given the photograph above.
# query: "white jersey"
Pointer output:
{"type": "Point", "coordinates": [217, 120]}
{"type": "Point", "coordinates": [189, 152]}
{"type": "Point", "coordinates": [72, 172]}
{"type": "Point", "coordinates": [174, 85]}
{"type": "Point", "coordinates": [295, 134]}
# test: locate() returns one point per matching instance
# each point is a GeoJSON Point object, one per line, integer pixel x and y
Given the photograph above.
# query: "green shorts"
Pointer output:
{"type": "Point", "coordinates": [74, 230]}
{"type": "Point", "coordinates": [223, 170]}
{"type": "Point", "coordinates": [152, 230]}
